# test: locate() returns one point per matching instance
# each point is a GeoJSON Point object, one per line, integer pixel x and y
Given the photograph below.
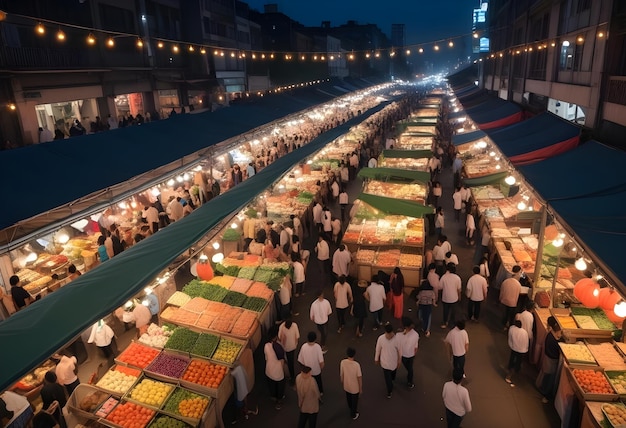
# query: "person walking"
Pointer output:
{"type": "Point", "coordinates": [408, 342]}
{"type": "Point", "coordinates": [388, 356]}
{"type": "Point", "coordinates": [341, 261]}
{"type": "Point", "coordinates": [426, 299]}
{"type": "Point", "coordinates": [450, 284]}
{"type": "Point", "coordinates": [528, 321]}
{"type": "Point", "coordinates": [518, 342]}
{"type": "Point", "coordinates": [375, 295]}
{"type": "Point", "coordinates": [396, 284]}
{"type": "Point", "coordinates": [352, 381]}
{"type": "Point", "coordinates": [509, 294]}
{"type": "Point", "coordinates": [476, 291]}
{"type": "Point", "coordinates": [320, 310]}
{"type": "Point", "coordinates": [343, 299]}
{"type": "Point", "coordinates": [323, 258]}
{"type": "Point", "coordinates": [439, 221]}
{"type": "Point", "coordinates": [343, 203]}
{"type": "Point", "coordinates": [359, 306]}
{"type": "Point", "coordinates": [308, 398]}
{"type": "Point", "coordinates": [288, 336]}
{"type": "Point", "coordinates": [550, 362]}
{"type": "Point", "coordinates": [51, 392]}
{"type": "Point", "coordinates": [457, 204]}
{"type": "Point", "coordinates": [311, 355]}
{"type": "Point", "coordinates": [457, 342]}
{"type": "Point", "coordinates": [456, 400]}
{"type": "Point", "coordinates": [298, 274]}
{"type": "Point", "coordinates": [274, 371]}
{"type": "Point", "coordinates": [66, 372]}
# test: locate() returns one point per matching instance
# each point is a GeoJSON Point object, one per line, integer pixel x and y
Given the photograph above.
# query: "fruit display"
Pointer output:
{"type": "Point", "coordinates": [118, 379]}
{"type": "Point", "coordinates": [577, 352]}
{"type": "Point", "coordinates": [412, 192]}
{"type": "Point", "coordinates": [205, 373]}
{"type": "Point", "coordinates": [172, 366]}
{"type": "Point", "coordinates": [598, 316]}
{"type": "Point", "coordinates": [106, 407]}
{"type": "Point", "coordinates": [130, 415]}
{"type": "Point", "coordinates": [178, 299]}
{"type": "Point", "coordinates": [244, 324]}
{"type": "Point", "coordinates": [234, 298]}
{"type": "Point", "coordinates": [187, 404]}
{"type": "Point", "coordinates": [182, 339]}
{"type": "Point", "coordinates": [404, 163]}
{"type": "Point", "coordinates": [227, 351]}
{"type": "Point", "coordinates": [389, 258]}
{"type": "Point", "coordinates": [617, 380]}
{"type": "Point", "coordinates": [137, 355]}
{"type": "Point", "coordinates": [259, 289]}
{"type": "Point", "coordinates": [156, 336]}
{"type": "Point", "coordinates": [256, 304]}
{"type": "Point", "coordinates": [615, 413]}
{"type": "Point", "coordinates": [592, 381]}
{"type": "Point", "coordinates": [165, 421]}
{"type": "Point", "coordinates": [150, 392]}
{"type": "Point", "coordinates": [205, 345]}
{"type": "Point", "coordinates": [607, 356]}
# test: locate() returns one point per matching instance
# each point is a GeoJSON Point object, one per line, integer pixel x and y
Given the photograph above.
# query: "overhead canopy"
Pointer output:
{"type": "Point", "coordinates": [413, 154]}
{"type": "Point", "coordinates": [394, 174]}
{"type": "Point", "coordinates": [587, 170]}
{"type": "Point", "coordinates": [485, 179]}
{"type": "Point", "coordinates": [91, 164]}
{"type": "Point", "coordinates": [494, 112]}
{"type": "Point", "coordinates": [468, 137]}
{"type": "Point", "coordinates": [42, 328]}
{"type": "Point", "coordinates": [537, 138]}
{"type": "Point", "coordinates": [464, 76]}
{"type": "Point", "coordinates": [396, 206]}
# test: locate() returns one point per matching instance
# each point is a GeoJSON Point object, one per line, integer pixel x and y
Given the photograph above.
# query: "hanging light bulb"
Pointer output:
{"type": "Point", "coordinates": [451, 44]}
{"type": "Point", "coordinates": [510, 180]}
{"type": "Point", "coordinates": [40, 29]}
{"type": "Point", "coordinates": [175, 48]}
{"type": "Point", "coordinates": [160, 45]}
{"type": "Point", "coordinates": [91, 39]}
{"type": "Point", "coordinates": [421, 50]}
{"type": "Point", "coordinates": [217, 258]}
{"type": "Point", "coordinates": [110, 42]}
{"type": "Point", "coordinates": [216, 245]}
{"type": "Point", "coordinates": [139, 43]}
{"type": "Point", "coordinates": [60, 35]}
{"type": "Point", "coordinates": [558, 242]}
{"type": "Point", "coordinates": [436, 47]}
{"type": "Point", "coordinates": [191, 48]}
{"type": "Point", "coordinates": [620, 309]}
{"type": "Point", "coordinates": [521, 206]}
{"type": "Point", "coordinates": [203, 51]}
{"type": "Point", "coordinates": [580, 264]}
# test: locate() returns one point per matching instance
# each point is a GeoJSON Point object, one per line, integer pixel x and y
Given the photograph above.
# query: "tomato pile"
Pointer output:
{"type": "Point", "coordinates": [593, 382]}
{"type": "Point", "coordinates": [130, 415]}
{"type": "Point", "coordinates": [138, 355]}
{"type": "Point", "coordinates": [205, 373]}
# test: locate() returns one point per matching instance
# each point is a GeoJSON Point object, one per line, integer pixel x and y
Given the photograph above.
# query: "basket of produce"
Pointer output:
{"type": "Point", "coordinates": [182, 339]}
{"type": "Point", "coordinates": [167, 366]}
{"type": "Point", "coordinates": [118, 380]}
{"type": "Point", "coordinates": [606, 355]}
{"type": "Point", "coordinates": [617, 379]}
{"type": "Point", "coordinates": [137, 355]}
{"type": "Point", "coordinates": [592, 384]}
{"type": "Point", "coordinates": [86, 399]}
{"type": "Point", "coordinates": [577, 353]}
{"type": "Point", "coordinates": [150, 393]}
{"type": "Point", "coordinates": [186, 405]}
{"type": "Point", "coordinates": [256, 304]}
{"type": "Point", "coordinates": [615, 413]}
{"type": "Point", "coordinates": [129, 415]}
{"type": "Point", "coordinates": [204, 377]}
{"type": "Point", "coordinates": [205, 345]}
{"type": "Point", "coordinates": [227, 352]}
{"type": "Point", "coordinates": [156, 336]}
{"type": "Point", "coordinates": [167, 421]}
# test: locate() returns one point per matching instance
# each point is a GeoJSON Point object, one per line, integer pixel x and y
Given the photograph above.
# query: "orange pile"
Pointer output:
{"type": "Point", "coordinates": [130, 415]}
{"type": "Point", "coordinates": [593, 382]}
{"type": "Point", "coordinates": [192, 407]}
{"type": "Point", "coordinates": [205, 373]}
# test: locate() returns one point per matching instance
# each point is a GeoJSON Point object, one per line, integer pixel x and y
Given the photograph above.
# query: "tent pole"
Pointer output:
{"type": "Point", "coordinates": [539, 259]}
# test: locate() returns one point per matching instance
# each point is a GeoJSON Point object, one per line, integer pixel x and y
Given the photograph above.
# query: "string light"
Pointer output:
{"type": "Point", "coordinates": [421, 50]}
{"type": "Point", "coordinates": [191, 48]}
{"type": "Point", "coordinates": [91, 39]}
{"type": "Point", "coordinates": [160, 45]}
{"type": "Point", "coordinates": [436, 47]}
{"type": "Point", "coordinates": [110, 42]}
{"type": "Point", "coordinates": [203, 51]}
{"type": "Point", "coordinates": [600, 34]}
{"type": "Point", "coordinates": [175, 48]}
{"type": "Point", "coordinates": [451, 43]}
{"type": "Point", "coordinates": [40, 29]}
{"type": "Point", "coordinates": [139, 43]}
{"type": "Point", "coordinates": [60, 35]}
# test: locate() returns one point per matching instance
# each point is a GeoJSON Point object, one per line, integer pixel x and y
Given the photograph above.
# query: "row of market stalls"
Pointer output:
{"type": "Point", "coordinates": [552, 204]}
{"type": "Point", "coordinates": [216, 323]}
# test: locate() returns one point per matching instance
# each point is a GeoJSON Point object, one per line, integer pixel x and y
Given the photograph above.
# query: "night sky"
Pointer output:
{"type": "Point", "coordinates": [425, 21]}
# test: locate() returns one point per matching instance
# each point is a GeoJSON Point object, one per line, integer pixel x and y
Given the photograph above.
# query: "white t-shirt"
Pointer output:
{"type": "Point", "coordinates": [457, 340]}
{"type": "Point", "coordinates": [311, 355]}
{"type": "Point", "coordinates": [343, 295]}
{"type": "Point", "coordinates": [518, 339]}
{"type": "Point", "coordinates": [317, 213]}
{"type": "Point", "coordinates": [450, 283]}
{"type": "Point", "coordinates": [320, 309]}
{"type": "Point", "coordinates": [457, 199]}
{"type": "Point", "coordinates": [289, 336]}
{"type": "Point", "coordinates": [65, 370]}
{"type": "Point", "coordinates": [323, 252]}
{"type": "Point", "coordinates": [376, 293]}
{"type": "Point", "coordinates": [476, 288]}
{"type": "Point", "coordinates": [408, 343]}
{"type": "Point", "coordinates": [298, 273]}
{"type": "Point", "coordinates": [527, 320]}
{"type": "Point", "coordinates": [350, 372]}
{"type": "Point", "coordinates": [343, 198]}
{"type": "Point", "coordinates": [372, 163]}
{"type": "Point", "coordinates": [387, 352]}
{"type": "Point", "coordinates": [456, 398]}
{"type": "Point", "coordinates": [273, 366]}
{"type": "Point", "coordinates": [341, 262]}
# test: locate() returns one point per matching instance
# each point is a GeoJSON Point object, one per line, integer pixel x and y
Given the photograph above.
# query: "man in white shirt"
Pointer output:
{"type": "Point", "coordinates": [298, 273]}
{"type": "Point", "coordinates": [323, 257]}
{"type": "Point", "coordinates": [334, 187]}
{"type": "Point", "coordinates": [451, 258]}
{"type": "Point", "coordinates": [320, 310]}
{"type": "Point", "coordinates": [375, 295]}
{"type": "Point", "coordinates": [311, 355]}
{"type": "Point", "coordinates": [372, 163]}
{"type": "Point", "coordinates": [288, 336]}
{"type": "Point", "coordinates": [457, 204]}
{"type": "Point", "coordinates": [388, 356]}
{"type": "Point", "coordinates": [439, 253]}
{"type": "Point", "coordinates": [343, 203]}
{"type": "Point", "coordinates": [527, 319]}
{"type": "Point", "coordinates": [470, 228]}
{"type": "Point", "coordinates": [408, 341]}
{"type": "Point", "coordinates": [317, 216]}
{"type": "Point", "coordinates": [476, 291]}
{"type": "Point", "coordinates": [518, 342]}
{"type": "Point", "coordinates": [450, 284]}
{"type": "Point", "coordinates": [352, 381]}
{"type": "Point", "coordinates": [284, 295]}
{"type": "Point", "coordinates": [343, 299]}
{"type": "Point", "coordinates": [457, 343]}
{"type": "Point", "coordinates": [151, 214]}
{"type": "Point", "coordinates": [175, 208]}
{"type": "Point", "coordinates": [456, 399]}
{"type": "Point", "coordinates": [341, 261]}
{"type": "Point", "coordinates": [66, 373]}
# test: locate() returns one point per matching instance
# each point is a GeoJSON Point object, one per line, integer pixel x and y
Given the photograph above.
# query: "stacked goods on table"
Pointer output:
{"type": "Point", "coordinates": [414, 142]}
{"type": "Point", "coordinates": [178, 299]}
{"type": "Point", "coordinates": [203, 375]}
{"type": "Point", "coordinates": [46, 263]}
{"type": "Point", "coordinates": [597, 315]}
{"type": "Point", "coordinates": [35, 378]}
{"type": "Point", "coordinates": [149, 392]}
{"type": "Point", "coordinates": [187, 405]}
{"type": "Point", "coordinates": [167, 366]}
{"type": "Point", "coordinates": [617, 378]}
{"type": "Point", "coordinates": [137, 355]}
{"type": "Point", "coordinates": [204, 345]}
{"type": "Point", "coordinates": [165, 421]}
{"type": "Point", "coordinates": [33, 282]}
{"type": "Point", "coordinates": [392, 229]}
{"type": "Point", "coordinates": [615, 414]}
{"type": "Point", "coordinates": [118, 380]}
{"type": "Point", "coordinates": [593, 384]}
{"type": "Point", "coordinates": [412, 192]}
{"type": "Point", "coordinates": [577, 353]}
{"type": "Point", "coordinates": [606, 355]}
{"type": "Point", "coordinates": [365, 256]}
{"type": "Point", "coordinates": [130, 415]}
{"type": "Point", "coordinates": [404, 163]}
{"type": "Point", "coordinates": [156, 336]}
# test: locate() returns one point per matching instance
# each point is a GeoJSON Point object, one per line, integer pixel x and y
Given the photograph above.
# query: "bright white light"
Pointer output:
{"type": "Point", "coordinates": [180, 179]}
{"type": "Point", "coordinates": [233, 226]}
{"type": "Point", "coordinates": [510, 180]}
{"type": "Point", "coordinates": [557, 242]}
{"type": "Point", "coordinates": [145, 302]}
{"type": "Point", "coordinates": [186, 177]}
{"type": "Point", "coordinates": [565, 43]}
{"type": "Point", "coordinates": [216, 245]}
{"type": "Point", "coordinates": [498, 166]}
{"type": "Point", "coordinates": [63, 238]}
{"type": "Point", "coordinates": [309, 162]}
{"type": "Point", "coordinates": [128, 304]}
{"type": "Point", "coordinates": [155, 192]}
{"type": "Point", "coordinates": [203, 258]}
{"type": "Point", "coordinates": [580, 264]}
{"type": "Point", "coordinates": [521, 206]}
{"type": "Point", "coordinates": [31, 257]}
{"type": "Point", "coordinates": [171, 182]}
{"type": "Point", "coordinates": [620, 309]}
{"type": "Point", "coordinates": [123, 205]}
{"type": "Point", "coordinates": [492, 154]}
{"type": "Point", "coordinates": [217, 258]}
{"type": "Point", "coordinates": [481, 144]}
{"type": "Point", "coordinates": [147, 290]}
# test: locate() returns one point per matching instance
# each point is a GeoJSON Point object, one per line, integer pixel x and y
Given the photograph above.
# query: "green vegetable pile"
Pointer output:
{"type": "Point", "coordinates": [598, 316]}
{"type": "Point", "coordinates": [234, 298]}
{"type": "Point", "coordinates": [231, 235]}
{"type": "Point", "coordinates": [305, 197]}
{"type": "Point", "coordinates": [256, 304]}
{"type": "Point", "coordinates": [182, 339]}
{"type": "Point", "coordinates": [247, 272]}
{"type": "Point", "coordinates": [205, 345]}
{"type": "Point", "coordinates": [227, 270]}
{"type": "Point", "coordinates": [164, 421]}
{"type": "Point", "coordinates": [197, 288]}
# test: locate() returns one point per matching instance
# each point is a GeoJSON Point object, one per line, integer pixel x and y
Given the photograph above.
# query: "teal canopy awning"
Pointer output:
{"type": "Point", "coordinates": [394, 174]}
{"type": "Point", "coordinates": [412, 154]}
{"type": "Point", "coordinates": [42, 328]}
{"type": "Point", "coordinates": [396, 206]}
{"type": "Point", "coordinates": [485, 179]}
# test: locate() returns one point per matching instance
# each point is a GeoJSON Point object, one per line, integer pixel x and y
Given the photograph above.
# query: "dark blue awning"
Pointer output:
{"type": "Point", "coordinates": [468, 137]}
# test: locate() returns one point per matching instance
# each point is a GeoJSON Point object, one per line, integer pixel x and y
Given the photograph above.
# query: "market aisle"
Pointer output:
{"type": "Point", "coordinates": [495, 403]}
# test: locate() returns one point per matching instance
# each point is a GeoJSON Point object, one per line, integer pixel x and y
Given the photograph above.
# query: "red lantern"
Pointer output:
{"type": "Point", "coordinates": [204, 269]}
{"type": "Point", "coordinates": [590, 297]}
{"type": "Point", "coordinates": [612, 317]}
{"type": "Point", "coordinates": [609, 298]}
{"type": "Point", "coordinates": [583, 287]}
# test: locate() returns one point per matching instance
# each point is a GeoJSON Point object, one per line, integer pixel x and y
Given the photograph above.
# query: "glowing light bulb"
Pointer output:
{"type": "Point", "coordinates": [40, 29]}
{"type": "Point", "coordinates": [110, 42]}
{"type": "Point", "coordinates": [510, 180]}
{"type": "Point", "coordinates": [620, 309]}
{"type": "Point", "coordinates": [580, 264]}
{"type": "Point", "coordinates": [216, 245]}
{"type": "Point", "coordinates": [60, 36]}
{"type": "Point", "coordinates": [139, 43]}
{"type": "Point", "coordinates": [91, 40]}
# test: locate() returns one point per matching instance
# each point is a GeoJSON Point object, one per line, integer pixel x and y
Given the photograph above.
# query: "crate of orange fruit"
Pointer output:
{"type": "Point", "coordinates": [591, 383]}
{"type": "Point", "coordinates": [187, 405]}
{"type": "Point", "coordinates": [204, 377]}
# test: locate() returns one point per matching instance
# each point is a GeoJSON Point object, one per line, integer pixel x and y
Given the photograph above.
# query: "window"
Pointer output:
{"type": "Point", "coordinates": [538, 61]}
{"type": "Point", "coordinates": [566, 58]}
{"type": "Point", "coordinates": [578, 57]}
{"type": "Point", "coordinates": [117, 19]}
{"type": "Point", "coordinates": [582, 6]}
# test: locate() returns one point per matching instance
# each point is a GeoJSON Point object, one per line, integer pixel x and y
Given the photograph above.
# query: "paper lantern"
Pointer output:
{"type": "Point", "coordinates": [610, 314]}
{"type": "Point", "coordinates": [587, 291]}
{"type": "Point", "coordinates": [608, 298]}
{"type": "Point", "coordinates": [581, 287]}
{"type": "Point", "coordinates": [204, 269]}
